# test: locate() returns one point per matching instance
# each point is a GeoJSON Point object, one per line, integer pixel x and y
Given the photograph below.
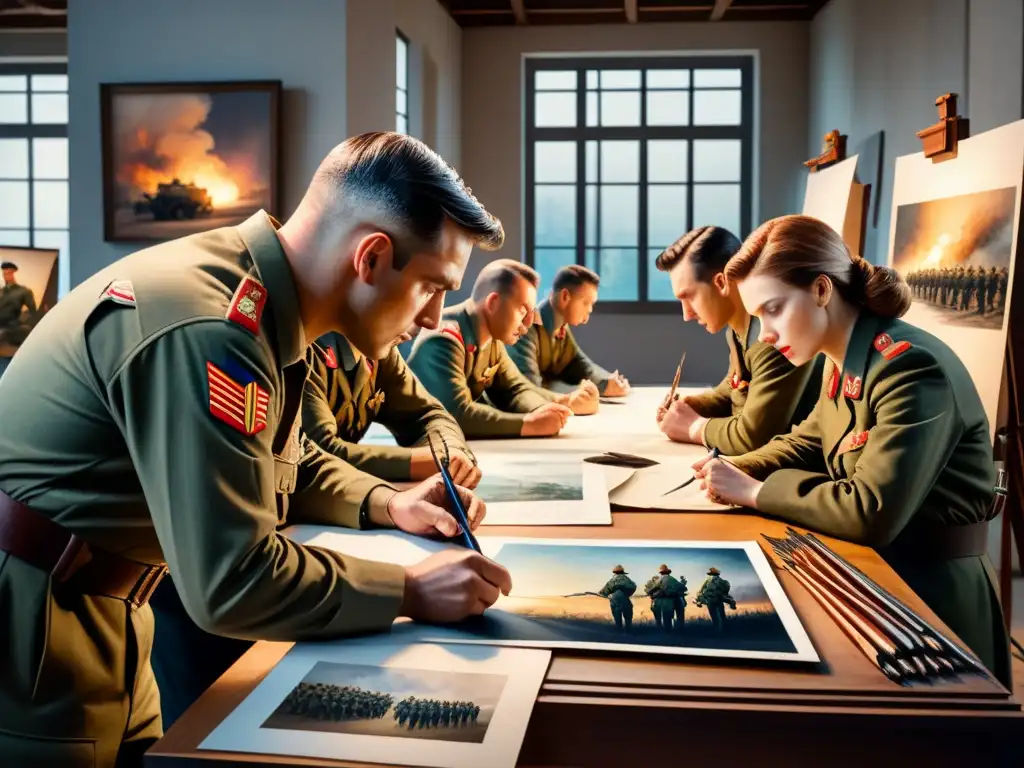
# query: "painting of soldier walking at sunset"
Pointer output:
{"type": "Point", "coordinates": [180, 158]}
{"type": "Point", "coordinates": [680, 598]}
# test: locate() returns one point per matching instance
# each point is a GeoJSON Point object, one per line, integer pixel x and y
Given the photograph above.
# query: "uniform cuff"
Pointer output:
{"type": "Point", "coordinates": [372, 598]}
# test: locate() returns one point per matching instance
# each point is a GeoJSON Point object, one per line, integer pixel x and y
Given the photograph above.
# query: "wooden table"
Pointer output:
{"type": "Point", "coordinates": [606, 710]}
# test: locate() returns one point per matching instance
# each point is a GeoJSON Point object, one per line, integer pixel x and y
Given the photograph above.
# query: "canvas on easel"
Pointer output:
{"type": "Point", "coordinates": [834, 197]}
{"type": "Point", "coordinates": [953, 239]}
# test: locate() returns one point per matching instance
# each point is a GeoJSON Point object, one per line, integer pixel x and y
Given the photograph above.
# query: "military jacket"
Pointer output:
{"type": "Point", "coordinates": [12, 299]}
{"type": "Point", "coordinates": [619, 588]}
{"type": "Point", "coordinates": [763, 395]}
{"type": "Point", "coordinates": [549, 356]}
{"type": "Point", "coordinates": [346, 392]}
{"type": "Point", "coordinates": [162, 400]}
{"type": "Point", "coordinates": [480, 386]}
{"type": "Point", "coordinates": [898, 444]}
{"type": "Point", "coordinates": [714, 590]}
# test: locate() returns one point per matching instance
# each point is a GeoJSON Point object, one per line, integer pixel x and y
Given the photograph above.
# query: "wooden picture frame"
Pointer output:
{"type": "Point", "coordinates": [37, 272]}
{"type": "Point", "coordinates": [180, 158]}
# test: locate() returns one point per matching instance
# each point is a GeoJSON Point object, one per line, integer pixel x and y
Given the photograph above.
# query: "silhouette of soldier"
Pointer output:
{"type": "Point", "coordinates": [618, 590]}
{"type": "Point", "coordinates": [714, 593]}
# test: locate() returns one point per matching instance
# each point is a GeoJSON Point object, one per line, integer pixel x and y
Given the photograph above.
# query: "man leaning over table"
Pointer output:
{"type": "Point", "coordinates": [763, 394]}
{"type": "Point", "coordinates": [162, 399]}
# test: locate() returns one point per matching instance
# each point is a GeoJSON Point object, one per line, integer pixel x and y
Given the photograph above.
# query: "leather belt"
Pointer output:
{"type": "Point", "coordinates": [942, 542]}
{"type": "Point", "coordinates": [72, 562]}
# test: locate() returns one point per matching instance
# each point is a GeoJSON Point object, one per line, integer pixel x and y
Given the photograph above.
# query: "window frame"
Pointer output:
{"type": "Point", "coordinates": [30, 131]}
{"type": "Point", "coordinates": [400, 36]}
{"type": "Point", "coordinates": [581, 133]}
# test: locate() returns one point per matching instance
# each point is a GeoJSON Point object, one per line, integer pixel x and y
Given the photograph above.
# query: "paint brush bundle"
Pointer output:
{"type": "Point", "coordinates": [903, 646]}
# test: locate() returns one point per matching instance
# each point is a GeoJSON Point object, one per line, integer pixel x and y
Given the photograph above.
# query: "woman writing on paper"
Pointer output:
{"type": "Point", "coordinates": [897, 453]}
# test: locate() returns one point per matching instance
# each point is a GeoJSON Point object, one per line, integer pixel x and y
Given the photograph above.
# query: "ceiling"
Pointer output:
{"type": "Point", "coordinates": [52, 14]}
{"type": "Point", "coordinates": [33, 14]}
{"type": "Point", "coordinates": [496, 13]}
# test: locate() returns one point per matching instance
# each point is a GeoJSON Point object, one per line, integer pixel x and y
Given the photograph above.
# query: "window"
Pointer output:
{"type": "Point", "coordinates": [402, 90]}
{"type": "Point", "coordinates": [624, 155]}
{"type": "Point", "coordinates": [34, 159]}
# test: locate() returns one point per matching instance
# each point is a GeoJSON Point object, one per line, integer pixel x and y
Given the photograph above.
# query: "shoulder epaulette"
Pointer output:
{"type": "Point", "coordinates": [247, 304]}
{"type": "Point", "coordinates": [452, 329]}
{"type": "Point", "coordinates": [120, 291]}
{"type": "Point", "coordinates": [889, 348]}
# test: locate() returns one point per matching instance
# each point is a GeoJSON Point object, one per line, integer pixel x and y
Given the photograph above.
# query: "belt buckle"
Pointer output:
{"type": "Point", "coordinates": [146, 585]}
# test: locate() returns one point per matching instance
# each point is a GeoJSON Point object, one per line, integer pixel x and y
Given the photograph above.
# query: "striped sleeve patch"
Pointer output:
{"type": "Point", "coordinates": [240, 406]}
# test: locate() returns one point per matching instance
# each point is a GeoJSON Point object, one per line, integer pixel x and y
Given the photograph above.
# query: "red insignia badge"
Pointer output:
{"type": "Point", "coordinates": [852, 442]}
{"type": "Point", "coordinates": [454, 334]}
{"type": "Point", "coordinates": [241, 406]}
{"type": "Point", "coordinates": [471, 348]}
{"type": "Point", "coordinates": [560, 333]}
{"type": "Point", "coordinates": [734, 380]}
{"type": "Point", "coordinates": [330, 358]}
{"type": "Point", "coordinates": [370, 364]}
{"type": "Point", "coordinates": [882, 341]}
{"type": "Point", "coordinates": [859, 439]}
{"type": "Point", "coordinates": [896, 349]}
{"type": "Point", "coordinates": [833, 384]}
{"type": "Point", "coordinates": [120, 291]}
{"type": "Point", "coordinates": [247, 304]}
{"type": "Point", "coordinates": [851, 387]}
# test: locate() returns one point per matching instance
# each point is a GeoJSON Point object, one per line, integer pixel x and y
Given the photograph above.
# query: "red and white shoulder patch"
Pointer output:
{"type": "Point", "coordinates": [247, 304]}
{"type": "Point", "coordinates": [240, 406]}
{"type": "Point", "coordinates": [884, 343]}
{"type": "Point", "coordinates": [852, 386]}
{"type": "Point", "coordinates": [120, 291]}
{"type": "Point", "coordinates": [330, 358]}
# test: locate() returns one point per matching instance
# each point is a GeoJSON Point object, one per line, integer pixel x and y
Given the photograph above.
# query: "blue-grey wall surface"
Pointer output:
{"type": "Point", "coordinates": [300, 42]}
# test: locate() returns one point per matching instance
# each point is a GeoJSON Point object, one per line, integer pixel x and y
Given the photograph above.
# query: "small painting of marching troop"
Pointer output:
{"type": "Point", "coordinates": [954, 253]}
{"type": "Point", "coordinates": [680, 598]}
{"type": "Point", "coordinates": [396, 702]}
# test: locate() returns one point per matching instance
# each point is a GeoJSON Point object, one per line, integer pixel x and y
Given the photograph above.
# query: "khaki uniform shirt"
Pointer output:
{"type": "Point", "coordinates": [346, 393]}
{"type": "Point", "coordinates": [762, 396]}
{"type": "Point", "coordinates": [549, 356]}
{"type": "Point", "coordinates": [481, 387]}
{"type": "Point", "coordinates": [12, 299]}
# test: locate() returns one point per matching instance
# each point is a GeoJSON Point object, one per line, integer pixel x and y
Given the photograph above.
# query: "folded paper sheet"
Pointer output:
{"type": "Point", "coordinates": [649, 488]}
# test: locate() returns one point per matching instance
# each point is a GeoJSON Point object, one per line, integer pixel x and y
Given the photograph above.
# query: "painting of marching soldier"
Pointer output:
{"type": "Point", "coordinates": [679, 598]}
{"type": "Point", "coordinates": [398, 702]}
{"type": "Point", "coordinates": [384, 701]}
{"type": "Point", "coordinates": [180, 158]}
{"type": "Point", "coordinates": [954, 253]}
{"type": "Point", "coordinates": [27, 293]}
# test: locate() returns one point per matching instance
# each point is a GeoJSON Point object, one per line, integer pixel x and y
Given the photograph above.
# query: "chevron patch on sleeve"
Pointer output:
{"type": "Point", "coordinates": [240, 406]}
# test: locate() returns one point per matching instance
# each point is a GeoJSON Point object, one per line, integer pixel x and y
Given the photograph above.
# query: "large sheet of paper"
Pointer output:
{"type": "Point", "coordinates": [560, 596]}
{"type": "Point", "coordinates": [827, 196]}
{"type": "Point", "coordinates": [953, 238]}
{"type": "Point", "coordinates": [381, 701]}
{"type": "Point", "coordinates": [654, 488]}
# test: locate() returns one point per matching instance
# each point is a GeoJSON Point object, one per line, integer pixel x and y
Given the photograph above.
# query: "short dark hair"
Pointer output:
{"type": "Point", "coordinates": [413, 185]}
{"type": "Point", "coordinates": [709, 250]}
{"type": "Point", "coordinates": [501, 276]}
{"type": "Point", "coordinates": [9, 265]}
{"type": "Point", "coordinates": [573, 276]}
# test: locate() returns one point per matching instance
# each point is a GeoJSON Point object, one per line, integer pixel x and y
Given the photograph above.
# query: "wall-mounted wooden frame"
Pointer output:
{"type": "Point", "coordinates": [180, 158]}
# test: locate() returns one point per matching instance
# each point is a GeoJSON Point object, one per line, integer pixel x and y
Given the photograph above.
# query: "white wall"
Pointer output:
{"type": "Point", "coordinates": [492, 146]}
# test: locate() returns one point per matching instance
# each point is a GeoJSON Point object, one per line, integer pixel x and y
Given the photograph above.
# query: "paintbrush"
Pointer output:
{"type": "Point", "coordinates": [675, 381]}
{"type": "Point", "coordinates": [465, 535]}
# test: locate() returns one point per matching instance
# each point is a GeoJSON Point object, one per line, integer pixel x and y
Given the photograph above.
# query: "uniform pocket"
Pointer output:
{"type": "Point", "coordinates": [42, 751]}
{"type": "Point", "coordinates": [286, 475]}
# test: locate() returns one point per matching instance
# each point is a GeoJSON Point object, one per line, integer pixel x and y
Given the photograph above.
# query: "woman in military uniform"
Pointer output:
{"type": "Point", "coordinates": [897, 454]}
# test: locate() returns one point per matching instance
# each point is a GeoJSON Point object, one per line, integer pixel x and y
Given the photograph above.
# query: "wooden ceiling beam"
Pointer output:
{"type": "Point", "coordinates": [632, 15]}
{"type": "Point", "coordinates": [721, 6]}
{"type": "Point", "coordinates": [519, 10]}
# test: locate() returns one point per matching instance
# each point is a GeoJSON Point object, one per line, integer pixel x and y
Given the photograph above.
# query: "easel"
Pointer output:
{"type": "Point", "coordinates": [939, 142]}
{"type": "Point", "coordinates": [833, 151]}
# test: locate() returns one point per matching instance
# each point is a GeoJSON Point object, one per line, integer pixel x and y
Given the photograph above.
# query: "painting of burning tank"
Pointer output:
{"type": "Point", "coordinates": [180, 158]}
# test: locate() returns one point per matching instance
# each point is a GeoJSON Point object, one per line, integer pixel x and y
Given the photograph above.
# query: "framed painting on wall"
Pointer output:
{"type": "Point", "coordinates": [28, 291]}
{"type": "Point", "coordinates": [180, 158]}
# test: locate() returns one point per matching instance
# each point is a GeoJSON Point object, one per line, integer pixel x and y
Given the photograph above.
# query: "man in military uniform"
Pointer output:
{"type": "Point", "coordinates": [465, 361]}
{"type": "Point", "coordinates": [548, 354]}
{"type": "Point", "coordinates": [162, 396]}
{"type": "Point", "coordinates": [763, 394]}
{"type": "Point", "coordinates": [346, 392]}
{"type": "Point", "coordinates": [667, 594]}
{"type": "Point", "coordinates": [619, 589]}
{"type": "Point", "coordinates": [14, 299]}
{"type": "Point", "coordinates": [714, 593]}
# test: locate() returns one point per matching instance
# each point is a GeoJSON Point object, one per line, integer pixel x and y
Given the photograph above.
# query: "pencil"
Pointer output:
{"type": "Point", "coordinates": [459, 512]}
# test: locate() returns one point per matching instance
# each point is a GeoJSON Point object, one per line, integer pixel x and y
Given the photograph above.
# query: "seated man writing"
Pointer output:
{"type": "Point", "coordinates": [548, 354]}
{"type": "Point", "coordinates": [346, 392]}
{"type": "Point", "coordinates": [763, 394]}
{"type": "Point", "coordinates": [465, 365]}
